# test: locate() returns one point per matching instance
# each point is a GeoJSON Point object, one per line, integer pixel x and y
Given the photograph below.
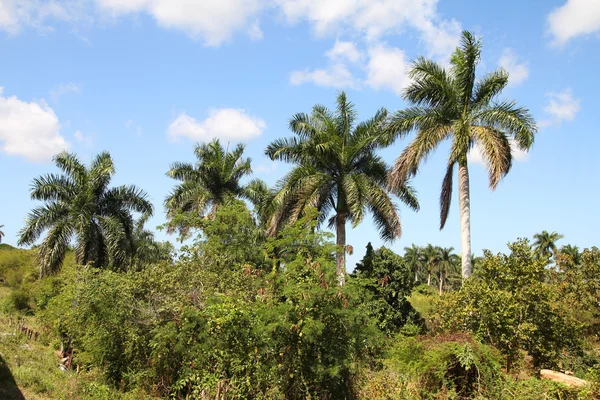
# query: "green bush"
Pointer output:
{"type": "Point", "coordinates": [509, 304]}
{"type": "Point", "coordinates": [453, 365]}
{"type": "Point", "coordinates": [19, 300]}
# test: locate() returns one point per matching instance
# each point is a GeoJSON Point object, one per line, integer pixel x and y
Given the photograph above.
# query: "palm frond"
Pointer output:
{"type": "Point", "coordinates": [496, 152]}
{"type": "Point", "coordinates": [488, 88]}
{"type": "Point", "coordinates": [446, 195]}
{"type": "Point", "coordinates": [415, 154]}
{"type": "Point", "coordinates": [510, 119]}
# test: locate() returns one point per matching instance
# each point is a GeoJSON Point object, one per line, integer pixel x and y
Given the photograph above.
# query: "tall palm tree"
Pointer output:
{"type": "Point", "coordinates": [413, 257]}
{"type": "Point", "coordinates": [447, 264]}
{"type": "Point", "coordinates": [79, 203]}
{"type": "Point", "coordinates": [213, 181]}
{"type": "Point", "coordinates": [544, 243]}
{"type": "Point", "coordinates": [451, 104]}
{"type": "Point", "coordinates": [1, 233]}
{"type": "Point", "coordinates": [336, 170]}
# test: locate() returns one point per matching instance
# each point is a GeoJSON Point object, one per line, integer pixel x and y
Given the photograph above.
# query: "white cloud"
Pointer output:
{"type": "Point", "coordinates": [560, 106]}
{"type": "Point", "coordinates": [29, 129]}
{"type": "Point", "coordinates": [86, 140]}
{"type": "Point", "coordinates": [212, 21]}
{"type": "Point", "coordinates": [375, 18]}
{"type": "Point", "coordinates": [64, 88]}
{"type": "Point", "coordinates": [336, 75]}
{"type": "Point", "coordinates": [15, 14]}
{"type": "Point", "coordinates": [387, 69]}
{"type": "Point", "coordinates": [574, 18]}
{"type": "Point", "coordinates": [475, 156]}
{"type": "Point", "coordinates": [222, 123]}
{"type": "Point", "coordinates": [344, 51]}
{"type": "Point", "coordinates": [518, 72]}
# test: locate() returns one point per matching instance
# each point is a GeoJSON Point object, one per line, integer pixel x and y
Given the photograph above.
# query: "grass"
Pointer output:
{"type": "Point", "coordinates": [422, 299]}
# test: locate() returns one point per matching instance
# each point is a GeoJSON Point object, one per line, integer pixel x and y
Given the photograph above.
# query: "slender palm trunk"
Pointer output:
{"type": "Point", "coordinates": [429, 279]}
{"type": "Point", "coordinates": [441, 281]}
{"type": "Point", "coordinates": [464, 204]}
{"type": "Point", "coordinates": [340, 256]}
{"type": "Point", "coordinates": [416, 274]}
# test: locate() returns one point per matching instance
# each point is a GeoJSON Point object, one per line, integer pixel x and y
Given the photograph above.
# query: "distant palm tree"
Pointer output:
{"type": "Point", "coordinates": [79, 203]}
{"type": "Point", "coordinates": [413, 257]}
{"type": "Point", "coordinates": [431, 257]}
{"type": "Point", "coordinates": [447, 264]}
{"type": "Point", "coordinates": [336, 170]}
{"type": "Point", "coordinates": [572, 252]}
{"type": "Point", "coordinates": [214, 180]}
{"type": "Point", "coordinates": [452, 105]}
{"type": "Point", "coordinates": [545, 243]}
{"type": "Point", "coordinates": [1, 233]}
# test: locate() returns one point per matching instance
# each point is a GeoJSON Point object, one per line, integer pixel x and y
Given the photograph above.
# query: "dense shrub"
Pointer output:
{"type": "Point", "coordinates": [509, 304]}
{"type": "Point", "coordinates": [388, 281]}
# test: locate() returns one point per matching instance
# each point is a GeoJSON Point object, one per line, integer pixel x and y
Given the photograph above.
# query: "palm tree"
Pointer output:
{"type": "Point", "coordinates": [80, 204]}
{"type": "Point", "coordinates": [430, 257]}
{"type": "Point", "coordinates": [447, 264]}
{"type": "Point", "coordinates": [146, 250]}
{"type": "Point", "coordinates": [572, 252]}
{"type": "Point", "coordinates": [413, 257]}
{"type": "Point", "coordinates": [336, 170]}
{"type": "Point", "coordinates": [1, 233]}
{"type": "Point", "coordinates": [215, 180]}
{"type": "Point", "coordinates": [453, 105]}
{"type": "Point", "coordinates": [545, 243]}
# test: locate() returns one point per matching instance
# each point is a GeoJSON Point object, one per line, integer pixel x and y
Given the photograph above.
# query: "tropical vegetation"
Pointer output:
{"type": "Point", "coordinates": [258, 304]}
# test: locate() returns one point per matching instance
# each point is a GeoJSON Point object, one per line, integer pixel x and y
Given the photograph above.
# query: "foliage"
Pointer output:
{"type": "Point", "coordinates": [454, 365]}
{"type": "Point", "coordinates": [578, 279]}
{"type": "Point", "coordinates": [509, 305]}
{"type": "Point", "coordinates": [183, 330]}
{"type": "Point", "coordinates": [388, 280]}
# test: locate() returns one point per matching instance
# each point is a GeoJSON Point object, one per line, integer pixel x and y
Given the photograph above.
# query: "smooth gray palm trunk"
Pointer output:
{"type": "Point", "coordinates": [464, 204]}
{"type": "Point", "coordinates": [340, 256]}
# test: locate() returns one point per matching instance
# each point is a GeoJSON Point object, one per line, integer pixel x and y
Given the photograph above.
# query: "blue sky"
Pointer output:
{"type": "Point", "coordinates": [146, 79]}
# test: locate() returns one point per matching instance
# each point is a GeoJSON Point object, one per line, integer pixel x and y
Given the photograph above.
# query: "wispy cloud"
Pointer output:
{"type": "Point", "coordinates": [64, 88]}
{"type": "Point", "coordinates": [560, 106]}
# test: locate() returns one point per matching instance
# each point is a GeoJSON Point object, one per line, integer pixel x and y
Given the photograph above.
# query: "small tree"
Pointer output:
{"type": "Point", "coordinates": [388, 279]}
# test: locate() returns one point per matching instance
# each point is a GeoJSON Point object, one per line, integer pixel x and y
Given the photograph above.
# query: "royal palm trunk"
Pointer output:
{"type": "Point", "coordinates": [340, 256]}
{"type": "Point", "coordinates": [464, 204]}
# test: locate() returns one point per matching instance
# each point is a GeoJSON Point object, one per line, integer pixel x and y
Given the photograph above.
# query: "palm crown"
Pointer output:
{"type": "Point", "coordinates": [215, 180]}
{"type": "Point", "coordinates": [80, 203]}
{"type": "Point", "coordinates": [452, 104]}
{"type": "Point", "coordinates": [545, 243]}
{"type": "Point", "coordinates": [336, 170]}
